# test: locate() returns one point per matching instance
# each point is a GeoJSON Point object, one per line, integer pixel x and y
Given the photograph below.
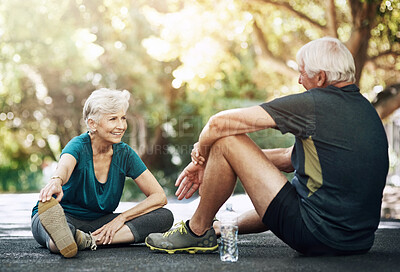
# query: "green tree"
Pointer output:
{"type": "Point", "coordinates": [53, 55]}
{"type": "Point", "coordinates": [370, 29]}
{"type": "Point", "coordinates": [183, 61]}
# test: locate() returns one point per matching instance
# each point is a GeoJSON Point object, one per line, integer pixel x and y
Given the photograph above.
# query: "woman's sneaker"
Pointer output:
{"type": "Point", "coordinates": [181, 239]}
{"type": "Point", "coordinates": [85, 240]}
{"type": "Point", "coordinates": [52, 217]}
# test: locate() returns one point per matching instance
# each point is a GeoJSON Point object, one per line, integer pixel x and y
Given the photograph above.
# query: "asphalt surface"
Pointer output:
{"type": "Point", "coordinates": [261, 252]}
{"type": "Point", "coordinates": [257, 252]}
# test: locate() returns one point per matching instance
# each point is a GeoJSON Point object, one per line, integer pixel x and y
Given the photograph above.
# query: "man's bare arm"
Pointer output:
{"type": "Point", "coordinates": [233, 122]}
{"type": "Point", "coordinates": [281, 158]}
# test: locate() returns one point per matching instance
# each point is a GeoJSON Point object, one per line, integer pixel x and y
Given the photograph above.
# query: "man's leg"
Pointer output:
{"type": "Point", "coordinates": [230, 157]}
{"type": "Point", "coordinates": [248, 222]}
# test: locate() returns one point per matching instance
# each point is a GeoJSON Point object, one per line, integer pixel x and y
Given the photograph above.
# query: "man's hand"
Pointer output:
{"type": "Point", "coordinates": [195, 155]}
{"type": "Point", "coordinates": [106, 233]}
{"type": "Point", "coordinates": [189, 180]}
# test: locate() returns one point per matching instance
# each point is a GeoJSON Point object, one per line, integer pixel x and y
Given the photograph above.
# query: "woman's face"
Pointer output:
{"type": "Point", "coordinates": [112, 127]}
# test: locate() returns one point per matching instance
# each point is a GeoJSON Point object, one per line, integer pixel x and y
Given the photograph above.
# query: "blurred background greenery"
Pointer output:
{"type": "Point", "coordinates": [183, 61]}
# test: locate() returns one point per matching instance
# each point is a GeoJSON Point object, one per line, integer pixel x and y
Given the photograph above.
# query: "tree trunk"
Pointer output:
{"type": "Point", "coordinates": [363, 13]}
{"type": "Point", "coordinates": [331, 18]}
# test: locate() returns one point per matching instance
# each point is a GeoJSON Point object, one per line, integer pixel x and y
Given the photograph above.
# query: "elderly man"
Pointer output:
{"type": "Point", "coordinates": [340, 159]}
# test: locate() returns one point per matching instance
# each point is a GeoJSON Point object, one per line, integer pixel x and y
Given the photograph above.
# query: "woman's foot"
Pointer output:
{"type": "Point", "coordinates": [52, 217]}
{"type": "Point", "coordinates": [85, 240]}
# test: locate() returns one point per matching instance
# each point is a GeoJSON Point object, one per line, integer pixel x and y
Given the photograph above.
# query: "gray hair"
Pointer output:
{"type": "Point", "coordinates": [329, 55]}
{"type": "Point", "coordinates": [105, 101]}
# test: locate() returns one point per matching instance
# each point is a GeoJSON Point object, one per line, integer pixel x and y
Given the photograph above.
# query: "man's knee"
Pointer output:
{"type": "Point", "coordinates": [223, 145]}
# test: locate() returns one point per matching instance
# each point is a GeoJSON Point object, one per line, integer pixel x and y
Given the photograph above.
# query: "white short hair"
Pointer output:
{"type": "Point", "coordinates": [105, 101]}
{"type": "Point", "coordinates": [329, 55]}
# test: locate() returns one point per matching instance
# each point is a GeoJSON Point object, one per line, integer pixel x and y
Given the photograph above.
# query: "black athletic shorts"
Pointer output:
{"type": "Point", "coordinates": [284, 219]}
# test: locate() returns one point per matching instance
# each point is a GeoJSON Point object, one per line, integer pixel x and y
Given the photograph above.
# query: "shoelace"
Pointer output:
{"type": "Point", "coordinates": [180, 226]}
{"type": "Point", "coordinates": [91, 243]}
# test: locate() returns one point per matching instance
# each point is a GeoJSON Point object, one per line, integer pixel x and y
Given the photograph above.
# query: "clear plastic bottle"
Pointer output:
{"type": "Point", "coordinates": [228, 248]}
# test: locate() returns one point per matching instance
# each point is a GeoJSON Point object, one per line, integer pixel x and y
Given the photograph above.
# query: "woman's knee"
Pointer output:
{"type": "Point", "coordinates": [159, 220]}
{"type": "Point", "coordinates": [167, 218]}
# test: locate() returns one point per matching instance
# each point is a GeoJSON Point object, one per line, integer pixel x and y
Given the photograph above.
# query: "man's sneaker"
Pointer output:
{"type": "Point", "coordinates": [181, 239]}
{"type": "Point", "coordinates": [85, 240]}
{"type": "Point", "coordinates": [52, 217]}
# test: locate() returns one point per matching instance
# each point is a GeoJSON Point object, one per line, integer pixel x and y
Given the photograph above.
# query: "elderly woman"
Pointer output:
{"type": "Point", "coordinates": [88, 183]}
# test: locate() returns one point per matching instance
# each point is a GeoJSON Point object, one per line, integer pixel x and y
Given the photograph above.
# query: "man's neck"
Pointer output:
{"type": "Point", "coordinates": [342, 84]}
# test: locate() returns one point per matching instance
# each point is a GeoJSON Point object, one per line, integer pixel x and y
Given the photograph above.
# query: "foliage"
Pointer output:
{"type": "Point", "coordinates": [50, 64]}
{"type": "Point", "coordinates": [183, 61]}
{"type": "Point", "coordinates": [384, 47]}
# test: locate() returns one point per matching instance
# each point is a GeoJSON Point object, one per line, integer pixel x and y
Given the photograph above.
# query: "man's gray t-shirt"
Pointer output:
{"type": "Point", "coordinates": [340, 159]}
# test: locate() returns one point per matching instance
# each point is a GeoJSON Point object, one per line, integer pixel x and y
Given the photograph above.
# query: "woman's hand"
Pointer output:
{"type": "Point", "coordinates": [61, 176]}
{"type": "Point", "coordinates": [196, 156]}
{"type": "Point", "coordinates": [106, 233]}
{"type": "Point", "coordinates": [52, 188]}
{"type": "Point", "coordinates": [189, 180]}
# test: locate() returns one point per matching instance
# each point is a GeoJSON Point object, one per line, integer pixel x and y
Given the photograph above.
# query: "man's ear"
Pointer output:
{"type": "Point", "coordinates": [92, 125]}
{"type": "Point", "coordinates": [321, 79]}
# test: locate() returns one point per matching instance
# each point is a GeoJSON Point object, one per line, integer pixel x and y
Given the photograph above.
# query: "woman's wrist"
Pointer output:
{"type": "Point", "coordinates": [123, 217]}
{"type": "Point", "coordinates": [57, 178]}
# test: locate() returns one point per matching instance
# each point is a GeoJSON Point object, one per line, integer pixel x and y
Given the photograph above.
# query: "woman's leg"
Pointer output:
{"type": "Point", "coordinates": [38, 232]}
{"type": "Point", "coordinates": [159, 220]}
{"type": "Point", "coordinates": [42, 237]}
{"type": "Point", "coordinates": [122, 236]}
{"type": "Point", "coordinates": [135, 230]}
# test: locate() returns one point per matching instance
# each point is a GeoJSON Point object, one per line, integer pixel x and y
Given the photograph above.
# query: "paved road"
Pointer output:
{"type": "Point", "coordinates": [260, 252]}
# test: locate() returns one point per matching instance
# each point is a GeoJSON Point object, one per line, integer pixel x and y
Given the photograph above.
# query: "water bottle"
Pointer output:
{"type": "Point", "coordinates": [228, 248]}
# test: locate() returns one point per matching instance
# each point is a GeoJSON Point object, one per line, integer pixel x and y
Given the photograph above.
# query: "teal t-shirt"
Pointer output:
{"type": "Point", "coordinates": [84, 196]}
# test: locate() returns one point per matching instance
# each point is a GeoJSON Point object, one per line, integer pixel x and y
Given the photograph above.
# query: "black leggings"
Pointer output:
{"type": "Point", "coordinates": [159, 220]}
